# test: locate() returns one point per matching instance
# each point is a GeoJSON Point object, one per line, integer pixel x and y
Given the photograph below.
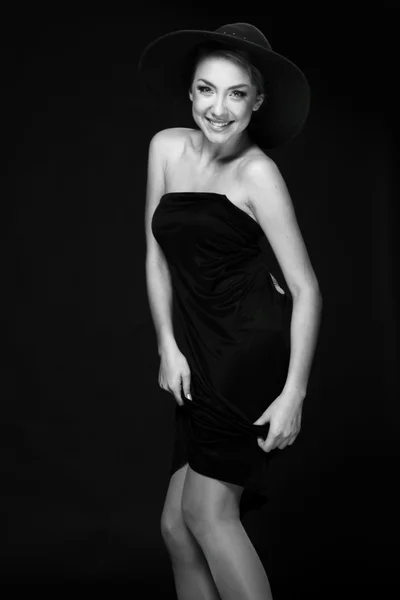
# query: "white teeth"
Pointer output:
{"type": "Point", "coordinates": [218, 125]}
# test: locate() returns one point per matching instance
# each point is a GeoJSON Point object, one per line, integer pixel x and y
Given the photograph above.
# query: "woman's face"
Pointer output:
{"type": "Point", "coordinates": [223, 98]}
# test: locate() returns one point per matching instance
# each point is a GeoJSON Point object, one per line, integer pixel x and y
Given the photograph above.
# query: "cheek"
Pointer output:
{"type": "Point", "coordinates": [200, 103]}
{"type": "Point", "coordinates": [244, 111]}
{"type": "Point", "coordinates": [196, 105]}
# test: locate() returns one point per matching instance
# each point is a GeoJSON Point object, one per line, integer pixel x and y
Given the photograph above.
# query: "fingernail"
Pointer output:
{"type": "Point", "coordinates": [189, 396]}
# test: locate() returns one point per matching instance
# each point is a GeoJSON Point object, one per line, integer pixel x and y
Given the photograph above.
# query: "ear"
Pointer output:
{"type": "Point", "coordinates": [190, 95]}
{"type": "Point", "coordinates": [260, 99]}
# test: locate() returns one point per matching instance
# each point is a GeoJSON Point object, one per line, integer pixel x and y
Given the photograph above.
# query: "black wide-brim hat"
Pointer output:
{"type": "Point", "coordinates": [165, 63]}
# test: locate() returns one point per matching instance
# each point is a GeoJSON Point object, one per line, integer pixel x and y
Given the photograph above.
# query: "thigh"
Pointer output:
{"type": "Point", "coordinates": [171, 516]}
{"type": "Point", "coordinates": [206, 500]}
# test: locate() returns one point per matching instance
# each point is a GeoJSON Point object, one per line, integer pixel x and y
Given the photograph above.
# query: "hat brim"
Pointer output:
{"type": "Point", "coordinates": [164, 61]}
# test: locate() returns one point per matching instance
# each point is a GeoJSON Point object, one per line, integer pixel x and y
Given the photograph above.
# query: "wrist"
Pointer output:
{"type": "Point", "coordinates": [295, 392]}
{"type": "Point", "coordinates": [166, 344]}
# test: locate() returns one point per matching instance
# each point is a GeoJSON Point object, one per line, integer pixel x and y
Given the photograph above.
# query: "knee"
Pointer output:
{"type": "Point", "coordinates": [174, 531]}
{"type": "Point", "coordinates": [178, 539]}
{"type": "Point", "coordinates": [197, 519]}
{"type": "Point", "coordinates": [171, 526]}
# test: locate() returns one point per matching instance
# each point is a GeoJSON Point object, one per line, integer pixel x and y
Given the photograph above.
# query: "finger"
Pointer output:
{"type": "Point", "coordinates": [186, 387]}
{"type": "Point", "coordinates": [269, 443]}
{"type": "Point", "coordinates": [283, 444]}
{"type": "Point", "coordinates": [178, 397]}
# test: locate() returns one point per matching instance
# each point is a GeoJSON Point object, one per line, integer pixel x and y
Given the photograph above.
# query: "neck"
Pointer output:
{"type": "Point", "coordinates": [222, 153]}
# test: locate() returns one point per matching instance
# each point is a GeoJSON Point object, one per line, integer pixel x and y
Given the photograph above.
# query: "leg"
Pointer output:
{"type": "Point", "coordinates": [211, 510]}
{"type": "Point", "coordinates": [193, 579]}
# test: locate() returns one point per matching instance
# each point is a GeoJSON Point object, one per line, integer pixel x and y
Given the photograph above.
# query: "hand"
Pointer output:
{"type": "Point", "coordinates": [174, 373]}
{"type": "Point", "coordinates": [284, 417]}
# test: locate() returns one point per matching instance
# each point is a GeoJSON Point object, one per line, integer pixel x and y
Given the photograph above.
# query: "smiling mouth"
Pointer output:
{"type": "Point", "coordinates": [218, 125]}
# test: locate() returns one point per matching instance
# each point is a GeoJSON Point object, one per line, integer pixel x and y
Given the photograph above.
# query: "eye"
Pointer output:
{"type": "Point", "coordinates": [203, 88]}
{"type": "Point", "coordinates": [241, 94]}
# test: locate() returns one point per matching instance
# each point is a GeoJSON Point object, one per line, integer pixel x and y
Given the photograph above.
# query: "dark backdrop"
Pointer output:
{"type": "Point", "coordinates": [86, 433]}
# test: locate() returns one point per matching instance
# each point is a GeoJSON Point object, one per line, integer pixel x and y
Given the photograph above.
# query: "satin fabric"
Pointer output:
{"type": "Point", "coordinates": [229, 322]}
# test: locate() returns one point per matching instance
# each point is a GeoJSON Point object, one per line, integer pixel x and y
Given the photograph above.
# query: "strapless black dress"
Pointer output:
{"type": "Point", "coordinates": [230, 322]}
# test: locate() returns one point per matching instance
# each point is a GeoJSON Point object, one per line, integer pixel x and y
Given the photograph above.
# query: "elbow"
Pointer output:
{"type": "Point", "coordinates": [307, 286]}
{"type": "Point", "coordinates": [311, 292]}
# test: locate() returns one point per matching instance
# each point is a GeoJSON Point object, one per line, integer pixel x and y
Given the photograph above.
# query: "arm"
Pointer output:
{"type": "Point", "coordinates": [304, 328]}
{"type": "Point", "coordinates": [158, 279]}
{"type": "Point", "coordinates": [270, 202]}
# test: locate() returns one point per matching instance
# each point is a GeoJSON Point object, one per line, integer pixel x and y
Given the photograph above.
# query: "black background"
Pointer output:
{"type": "Point", "coordinates": [86, 433]}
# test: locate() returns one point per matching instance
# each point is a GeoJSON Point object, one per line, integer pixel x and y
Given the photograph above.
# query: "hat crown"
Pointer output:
{"type": "Point", "coordinates": [245, 31]}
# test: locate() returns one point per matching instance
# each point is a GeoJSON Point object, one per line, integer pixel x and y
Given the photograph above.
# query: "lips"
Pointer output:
{"type": "Point", "coordinates": [218, 125]}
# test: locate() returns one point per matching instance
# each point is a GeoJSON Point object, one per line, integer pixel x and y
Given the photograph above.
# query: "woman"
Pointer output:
{"type": "Point", "coordinates": [212, 193]}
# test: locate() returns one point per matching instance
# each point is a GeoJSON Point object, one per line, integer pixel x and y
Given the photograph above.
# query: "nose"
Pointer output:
{"type": "Point", "coordinates": [219, 108]}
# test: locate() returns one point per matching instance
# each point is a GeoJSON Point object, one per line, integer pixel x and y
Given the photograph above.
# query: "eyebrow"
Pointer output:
{"type": "Point", "coordinates": [229, 88]}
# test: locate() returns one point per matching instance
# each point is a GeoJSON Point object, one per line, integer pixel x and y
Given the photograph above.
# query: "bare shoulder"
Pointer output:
{"type": "Point", "coordinates": [270, 202]}
{"type": "Point", "coordinates": [165, 146]}
{"type": "Point", "coordinates": [263, 183]}
{"type": "Point", "coordinates": [170, 141]}
{"type": "Point", "coordinates": [260, 170]}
